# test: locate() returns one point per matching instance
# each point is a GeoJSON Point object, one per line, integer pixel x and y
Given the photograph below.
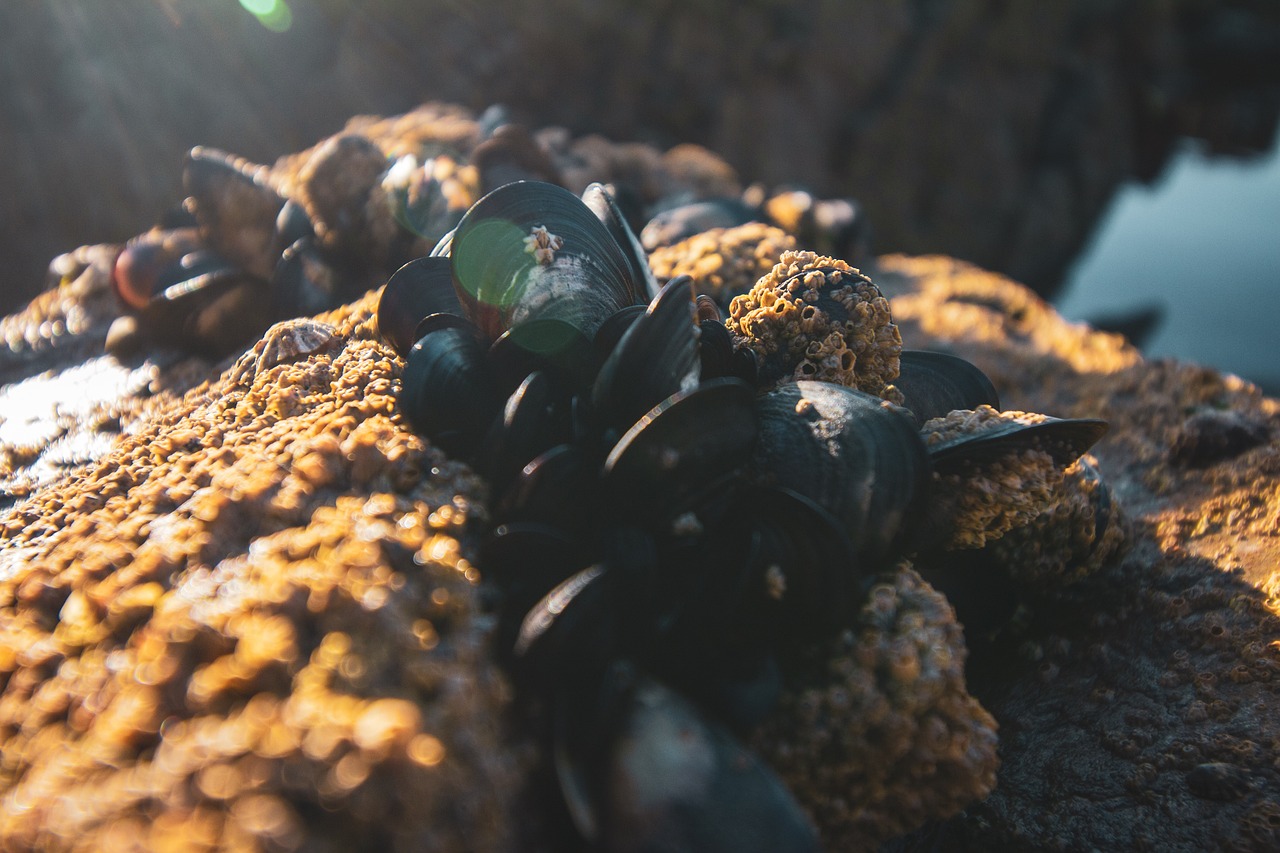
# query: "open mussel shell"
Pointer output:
{"type": "Point", "coordinates": [236, 208]}
{"type": "Point", "coordinates": [1064, 439]}
{"type": "Point", "coordinates": [935, 383]}
{"type": "Point", "coordinates": [643, 769]}
{"type": "Point", "coordinates": [450, 393]}
{"type": "Point", "coordinates": [531, 250]}
{"type": "Point", "coordinates": [681, 448]}
{"type": "Point", "coordinates": [848, 452]}
{"type": "Point", "coordinates": [656, 357]}
{"type": "Point", "coordinates": [417, 290]}
{"type": "Point", "coordinates": [602, 202]}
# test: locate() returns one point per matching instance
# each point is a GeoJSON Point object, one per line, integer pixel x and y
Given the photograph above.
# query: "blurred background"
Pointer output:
{"type": "Point", "coordinates": [1119, 156]}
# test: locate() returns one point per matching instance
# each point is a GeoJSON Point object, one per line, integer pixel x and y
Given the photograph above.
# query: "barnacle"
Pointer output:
{"type": "Point", "coordinates": [723, 262]}
{"type": "Point", "coordinates": [1079, 530]}
{"type": "Point", "coordinates": [880, 717]}
{"type": "Point", "coordinates": [1006, 493]}
{"type": "Point", "coordinates": [814, 317]}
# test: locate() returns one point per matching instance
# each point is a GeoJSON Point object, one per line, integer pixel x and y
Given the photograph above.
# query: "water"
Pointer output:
{"type": "Point", "coordinates": [1203, 243]}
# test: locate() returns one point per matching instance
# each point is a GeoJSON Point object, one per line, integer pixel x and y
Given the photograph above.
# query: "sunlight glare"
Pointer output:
{"type": "Point", "coordinates": [272, 14]}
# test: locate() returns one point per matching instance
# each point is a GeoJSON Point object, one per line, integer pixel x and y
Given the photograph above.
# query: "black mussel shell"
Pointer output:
{"type": "Point", "coordinates": [511, 154]}
{"type": "Point", "coordinates": [293, 224]}
{"type": "Point", "coordinates": [680, 223]}
{"type": "Point", "coordinates": [152, 262]}
{"type": "Point", "coordinates": [1065, 439]}
{"type": "Point", "coordinates": [935, 383]}
{"type": "Point", "coordinates": [835, 227]}
{"type": "Point", "coordinates": [715, 350]}
{"type": "Point", "coordinates": [450, 392]}
{"type": "Point", "coordinates": [643, 769]}
{"type": "Point", "coordinates": [554, 346]}
{"type": "Point", "coordinates": [804, 581]}
{"type": "Point", "coordinates": [1102, 499]}
{"type": "Point", "coordinates": [531, 424]}
{"type": "Point", "coordinates": [525, 559]}
{"type": "Point", "coordinates": [708, 310]}
{"type": "Point", "coordinates": [236, 208]}
{"type": "Point", "coordinates": [570, 635]}
{"type": "Point", "coordinates": [681, 450]}
{"type": "Point", "coordinates": [444, 247]}
{"type": "Point", "coordinates": [417, 290]}
{"type": "Point", "coordinates": [531, 250]}
{"type": "Point", "coordinates": [849, 452]}
{"type": "Point", "coordinates": [657, 357]}
{"type": "Point", "coordinates": [600, 199]}
{"type": "Point", "coordinates": [558, 488]}
{"type": "Point", "coordinates": [306, 282]}
{"type": "Point", "coordinates": [611, 331]}
{"type": "Point", "coordinates": [215, 312]}
{"type": "Point", "coordinates": [776, 569]}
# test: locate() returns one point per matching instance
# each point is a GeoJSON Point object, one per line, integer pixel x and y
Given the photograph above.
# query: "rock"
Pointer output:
{"type": "Point", "coordinates": [1107, 705]}
{"type": "Point", "coordinates": [251, 618]}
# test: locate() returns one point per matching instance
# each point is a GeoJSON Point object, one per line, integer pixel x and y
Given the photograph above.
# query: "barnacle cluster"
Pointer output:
{"type": "Point", "coordinates": [883, 719]}
{"type": "Point", "coordinates": [1006, 493]}
{"type": "Point", "coordinates": [1079, 530]}
{"type": "Point", "coordinates": [723, 262]}
{"type": "Point", "coordinates": [814, 317]}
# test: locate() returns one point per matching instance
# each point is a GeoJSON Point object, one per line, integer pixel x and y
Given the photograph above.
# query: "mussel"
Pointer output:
{"type": "Point", "coordinates": [680, 504]}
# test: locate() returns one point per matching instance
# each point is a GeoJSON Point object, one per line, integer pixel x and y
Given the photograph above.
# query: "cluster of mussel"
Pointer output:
{"type": "Point", "coordinates": [251, 245]}
{"type": "Point", "coordinates": [682, 493]}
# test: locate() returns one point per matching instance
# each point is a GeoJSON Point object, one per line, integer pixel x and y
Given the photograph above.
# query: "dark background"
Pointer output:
{"type": "Point", "coordinates": [993, 131]}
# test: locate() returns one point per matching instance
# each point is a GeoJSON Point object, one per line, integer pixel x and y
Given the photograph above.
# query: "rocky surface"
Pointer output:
{"type": "Point", "coordinates": [245, 619]}
{"type": "Point", "coordinates": [1139, 712]}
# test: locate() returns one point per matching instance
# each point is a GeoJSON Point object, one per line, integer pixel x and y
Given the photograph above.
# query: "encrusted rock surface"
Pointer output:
{"type": "Point", "coordinates": [1141, 715]}
{"type": "Point", "coordinates": [249, 621]}
{"type": "Point", "coordinates": [250, 626]}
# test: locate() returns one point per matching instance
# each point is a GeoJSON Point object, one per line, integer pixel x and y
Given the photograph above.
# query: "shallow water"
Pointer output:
{"type": "Point", "coordinates": [1202, 243]}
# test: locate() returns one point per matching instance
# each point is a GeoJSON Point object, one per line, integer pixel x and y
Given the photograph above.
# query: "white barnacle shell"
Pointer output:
{"type": "Point", "coordinates": [543, 245]}
{"type": "Point", "coordinates": [285, 341]}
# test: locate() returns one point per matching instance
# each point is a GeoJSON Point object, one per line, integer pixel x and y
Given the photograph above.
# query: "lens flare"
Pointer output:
{"type": "Point", "coordinates": [275, 15]}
